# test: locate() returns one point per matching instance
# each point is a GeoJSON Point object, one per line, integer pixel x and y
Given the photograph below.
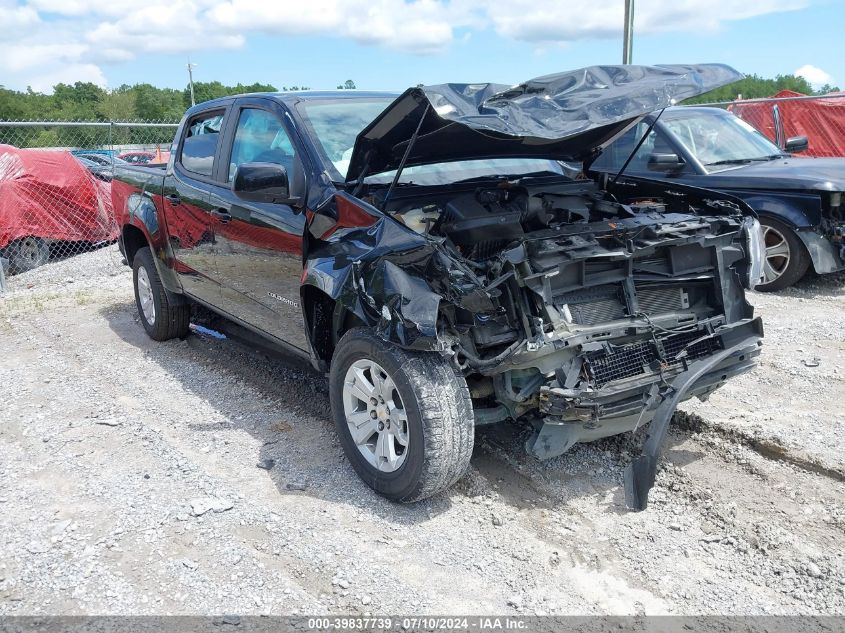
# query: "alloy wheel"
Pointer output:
{"type": "Point", "coordinates": [145, 296]}
{"type": "Point", "coordinates": [375, 415]}
{"type": "Point", "coordinates": [778, 254]}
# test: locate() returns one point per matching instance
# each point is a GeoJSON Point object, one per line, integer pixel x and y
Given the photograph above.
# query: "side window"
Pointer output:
{"type": "Point", "coordinates": [617, 153]}
{"type": "Point", "coordinates": [200, 143]}
{"type": "Point", "coordinates": [260, 138]}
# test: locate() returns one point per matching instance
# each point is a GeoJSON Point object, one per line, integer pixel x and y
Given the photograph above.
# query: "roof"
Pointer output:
{"type": "Point", "coordinates": [300, 95]}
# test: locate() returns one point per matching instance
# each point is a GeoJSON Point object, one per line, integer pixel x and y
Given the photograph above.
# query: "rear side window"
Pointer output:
{"type": "Point", "coordinates": [200, 143]}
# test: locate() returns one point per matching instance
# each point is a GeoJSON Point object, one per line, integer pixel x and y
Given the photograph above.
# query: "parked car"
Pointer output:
{"type": "Point", "coordinates": [799, 200]}
{"type": "Point", "coordinates": [48, 198]}
{"type": "Point", "coordinates": [428, 253]}
{"type": "Point", "coordinates": [137, 158]}
{"type": "Point", "coordinates": [96, 169]}
{"type": "Point", "coordinates": [102, 159]}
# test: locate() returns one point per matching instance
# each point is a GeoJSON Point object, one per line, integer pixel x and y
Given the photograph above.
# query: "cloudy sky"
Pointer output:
{"type": "Point", "coordinates": [391, 44]}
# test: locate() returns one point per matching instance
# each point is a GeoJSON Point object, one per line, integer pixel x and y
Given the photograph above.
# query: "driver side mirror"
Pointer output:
{"type": "Point", "coordinates": [669, 163]}
{"type": "Point", "coordinates": [796, 144]}
{"type": "Point", "coordinates": [261, 182]}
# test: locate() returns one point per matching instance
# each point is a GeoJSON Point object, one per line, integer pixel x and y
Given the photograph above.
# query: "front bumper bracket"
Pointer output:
{"type": "Point", "coordinates": [641, 473]}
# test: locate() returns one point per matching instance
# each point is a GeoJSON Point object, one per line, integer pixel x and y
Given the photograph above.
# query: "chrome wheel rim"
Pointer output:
{"type": "Point", "coordinates": [375, 415]}
{"type": "Point", "coordinates": [145, 296]}
{"type": "Point", "coordinates": [778, 254]}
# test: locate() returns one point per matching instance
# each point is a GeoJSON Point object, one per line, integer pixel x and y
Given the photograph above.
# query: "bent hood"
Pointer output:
{"type": "Point", "coordinates": [565, 116]}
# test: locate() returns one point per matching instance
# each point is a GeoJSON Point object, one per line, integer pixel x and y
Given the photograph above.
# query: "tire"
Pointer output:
{"type": "Point", "coordinates": [163, 316]}
{"type": "Point", "coordinates": [433, 399]}
{"type": "Point", "coordinates": [787, 259]}
{"type": "Point", "coordinates": [28, 253]}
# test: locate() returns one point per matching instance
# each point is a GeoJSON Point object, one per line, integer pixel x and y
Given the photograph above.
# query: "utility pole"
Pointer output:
{"type": "Point", "coordinates": [628, 35]}
{"type": "Point", "coordinates": [191, 80]}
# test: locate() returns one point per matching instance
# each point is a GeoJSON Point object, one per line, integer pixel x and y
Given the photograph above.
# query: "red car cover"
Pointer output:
{"type": "Point", "coordinates": [49, 194]}
{"type": "Point", "coordinates": [821, 120]}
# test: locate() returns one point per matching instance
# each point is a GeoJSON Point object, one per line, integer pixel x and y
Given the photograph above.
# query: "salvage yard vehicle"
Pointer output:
{"type": "Point", "coordinates": [50, 204]}
{"type": "Point", "coordinates": [430, 252]}
{"type": "Point", "coordinates": [800, 201]}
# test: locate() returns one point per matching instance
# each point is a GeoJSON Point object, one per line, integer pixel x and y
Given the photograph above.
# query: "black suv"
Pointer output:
{"type": "Point", "coordinates": [800, 201]}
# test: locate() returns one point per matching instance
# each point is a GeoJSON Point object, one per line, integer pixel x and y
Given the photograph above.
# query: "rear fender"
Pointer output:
{"type": "Point", "coordinates": [142, 216]}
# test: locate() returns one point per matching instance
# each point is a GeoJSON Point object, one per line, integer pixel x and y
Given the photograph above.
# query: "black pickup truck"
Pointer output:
{"type": "Point", "coordinates": [430, 252]}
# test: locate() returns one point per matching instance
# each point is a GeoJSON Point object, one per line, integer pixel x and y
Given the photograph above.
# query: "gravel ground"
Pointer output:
{"type": "Point", "coordinates": [197, 476]}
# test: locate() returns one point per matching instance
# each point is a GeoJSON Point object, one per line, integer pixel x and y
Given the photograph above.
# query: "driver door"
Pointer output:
{"type": "Point", "coordinates": [259, 245]}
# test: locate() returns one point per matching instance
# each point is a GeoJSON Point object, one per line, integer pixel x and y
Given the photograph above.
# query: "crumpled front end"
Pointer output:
{"type": "Point", "coordinates": [560, 305]}
{"type": "Point", "coordinates": [613, 315]}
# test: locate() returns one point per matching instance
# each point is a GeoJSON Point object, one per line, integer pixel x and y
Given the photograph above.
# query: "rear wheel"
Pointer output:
{"type": "Point", "coordinates": [786, 258]}
{"type": "Point", "coordinates": [28, 253]}
{"type": "Point", "coordinates": [163, 316]}
{"type": "Point", "coordinates": [404, 419]}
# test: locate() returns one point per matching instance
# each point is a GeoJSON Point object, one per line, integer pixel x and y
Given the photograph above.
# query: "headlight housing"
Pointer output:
{"type": "Point", "coordinates": [755, 250]}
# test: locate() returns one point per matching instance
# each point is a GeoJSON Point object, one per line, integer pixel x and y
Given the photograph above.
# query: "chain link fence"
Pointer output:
{"type": "Point", "coordinates": [819, 118]}
{"type": "Point", "coordinates": [55, 176]}
{"type": "Point", "coordinates": [55, 193]}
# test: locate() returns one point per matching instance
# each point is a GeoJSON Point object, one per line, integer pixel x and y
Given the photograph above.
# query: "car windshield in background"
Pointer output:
{"type": "Point", "coordinates": [336, 125]}
{"type": "Point", "coordinates": [720, 141]}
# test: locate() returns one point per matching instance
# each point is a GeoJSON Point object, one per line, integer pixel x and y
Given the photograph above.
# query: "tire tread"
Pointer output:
{"type": "Point", "coordinates": [173, 317]}
{"type": "Point", "coordinates": [445, 409]}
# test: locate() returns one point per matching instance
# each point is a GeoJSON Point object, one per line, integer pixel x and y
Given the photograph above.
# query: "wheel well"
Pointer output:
{"type": "Point", "coordinates": [326, 321]}
{"type": "Point", "coordinates": [133, 240]}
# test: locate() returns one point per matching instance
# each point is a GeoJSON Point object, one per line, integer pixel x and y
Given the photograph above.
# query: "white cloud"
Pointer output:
{"type": "Point", "coordinates": [14, 19]}
{"type": "Point", "coordinates": [555, 21]}
{"type": "Point", "coordinates": [43, 39]}
{"type": "Point", "coordinates": [815, 75]}
{"type": "Point", "coordinates": [422, 26]}
{"type": "Point", "coordinates": [44, 81]}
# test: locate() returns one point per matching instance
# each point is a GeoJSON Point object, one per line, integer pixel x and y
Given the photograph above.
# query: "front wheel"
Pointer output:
{"type": "Point", "coordinates": [163, 317]}
{"type": "Point", "coordinates": [28, 253]}
{"type": "Point", "coordinates": [786, 258]}
{"type": "Point", "coordinates": [404, 419]}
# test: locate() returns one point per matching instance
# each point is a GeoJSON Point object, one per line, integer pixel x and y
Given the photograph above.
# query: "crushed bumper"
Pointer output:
{"type": "Point", "coordinates": [629, 394]}
{"type": "Point", "coordinates": [826, 252]}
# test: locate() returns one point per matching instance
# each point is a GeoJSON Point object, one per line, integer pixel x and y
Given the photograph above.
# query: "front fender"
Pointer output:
{"type": "Point", "coordinates": [390, 277]}
{"type": "Point", "coordinates": [801, 211]}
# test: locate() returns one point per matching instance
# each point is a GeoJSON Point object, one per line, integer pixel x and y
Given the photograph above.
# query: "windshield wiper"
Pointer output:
{"type": "Point", "coordinates": [745, 161]}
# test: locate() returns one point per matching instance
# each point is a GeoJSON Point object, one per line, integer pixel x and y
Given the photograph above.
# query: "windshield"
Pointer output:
{"type": "Point", "coordinates": [336, 124]}
{"type": "Point", "coordinates": [719, 140]}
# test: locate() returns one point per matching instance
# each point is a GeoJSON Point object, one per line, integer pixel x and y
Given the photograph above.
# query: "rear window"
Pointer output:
{"type": "Point", "coordinates": [200, 144]}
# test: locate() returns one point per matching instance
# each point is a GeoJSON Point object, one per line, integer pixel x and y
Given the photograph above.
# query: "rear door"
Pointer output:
{"type": "Point", "coordinates": [259, 245]}
{"type": "Point", "coordinates": [186, 206]}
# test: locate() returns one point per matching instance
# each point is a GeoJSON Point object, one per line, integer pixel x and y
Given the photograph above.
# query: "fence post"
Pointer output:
{"type": "Point", "coordinates": [3, 264]}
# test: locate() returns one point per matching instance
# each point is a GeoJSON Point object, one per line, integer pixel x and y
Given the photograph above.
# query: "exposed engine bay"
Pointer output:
{"type": "Point", "coordinates": [591, 302]}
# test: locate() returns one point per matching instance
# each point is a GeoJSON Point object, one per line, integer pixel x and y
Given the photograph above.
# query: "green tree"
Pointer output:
{"type": "Point", "coordinates": [158, 104]}
{"type": "Point", "coordinates": [118, 105]}
{"type": "Point", "coordinates": [755, 87]}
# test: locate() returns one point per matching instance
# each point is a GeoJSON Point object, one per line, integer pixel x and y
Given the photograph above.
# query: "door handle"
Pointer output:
{"type": "Point", "coordinates": [221, 214]}
{"type": "Point", "coordinates": [173, 198]}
